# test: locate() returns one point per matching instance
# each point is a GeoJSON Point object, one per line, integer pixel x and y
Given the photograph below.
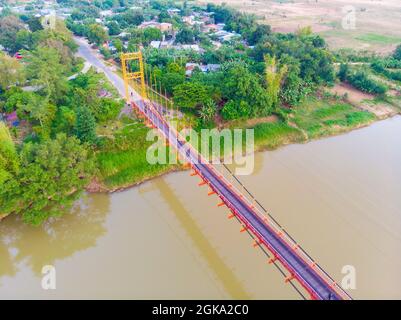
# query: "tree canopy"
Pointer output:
{"type": "Point", "coordinates": [49, 179]}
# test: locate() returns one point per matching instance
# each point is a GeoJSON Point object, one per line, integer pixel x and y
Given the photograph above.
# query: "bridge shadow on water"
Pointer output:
{"type": "Point", "coordinates": [226, 276]}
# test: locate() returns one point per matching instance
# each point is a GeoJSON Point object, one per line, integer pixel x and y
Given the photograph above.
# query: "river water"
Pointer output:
{"type": "Point", "coordinates": [339, 197]}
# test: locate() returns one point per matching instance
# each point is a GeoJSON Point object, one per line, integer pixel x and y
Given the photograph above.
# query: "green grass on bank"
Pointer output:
{"type": "Point", "coordinates": [123, 162]}
{"type": "Point", "coordinates": [272, 135]}
{"type": "Point", "coordinates": [322, 117]}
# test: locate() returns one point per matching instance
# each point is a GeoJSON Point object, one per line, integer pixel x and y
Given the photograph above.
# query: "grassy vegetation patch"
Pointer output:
{"type": "Point", "coordinates": [378, 38]}
{"type": "Point", "coordinates": [321, 117]}
{"type": "Point", "coordinates": [358, 118]}
{"type": "Point", "coordinates": [122, 160]}
{"type": "Point", "coordinates": [272, 135]}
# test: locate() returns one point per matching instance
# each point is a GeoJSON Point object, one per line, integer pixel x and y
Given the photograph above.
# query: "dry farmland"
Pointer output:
{"type": "Point", "coordinates": [377, 22]}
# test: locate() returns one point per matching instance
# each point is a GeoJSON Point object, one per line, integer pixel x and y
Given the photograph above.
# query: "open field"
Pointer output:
{"type": "Point", "coordinates": [376, 25]}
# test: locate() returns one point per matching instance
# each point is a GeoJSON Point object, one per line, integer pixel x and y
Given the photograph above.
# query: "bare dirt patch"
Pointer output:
{"type": "Point", "coordinates": [250, 123]}
{"type": "Point", "coordinates": [380, 110]}
{"type": "Point", "coordinates": [364, 101]}
{"type": "Point", "coordinates": [377, 21]}
{"type": "Point", "coordinates": [355, 96]}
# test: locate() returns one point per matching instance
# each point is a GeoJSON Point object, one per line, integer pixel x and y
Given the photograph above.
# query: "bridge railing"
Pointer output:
{"type": "Point", "coordinates": [226, 175]}
{"type": "Point", "coordinates": [267, 218]}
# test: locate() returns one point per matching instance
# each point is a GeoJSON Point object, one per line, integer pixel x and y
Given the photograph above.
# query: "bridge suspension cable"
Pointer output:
{"type": "Point", "coordinates": [255, 219]}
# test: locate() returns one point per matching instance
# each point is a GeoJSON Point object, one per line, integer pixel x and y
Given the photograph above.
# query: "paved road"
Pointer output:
{"type": "Point", "coordinates": [94, 58]}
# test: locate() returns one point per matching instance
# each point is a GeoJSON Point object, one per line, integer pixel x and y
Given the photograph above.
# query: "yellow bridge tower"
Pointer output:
{"type": "Point", "coordinates": [129, 75]}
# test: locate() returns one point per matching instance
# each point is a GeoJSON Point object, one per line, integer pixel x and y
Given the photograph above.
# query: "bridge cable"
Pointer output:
{"type": "Point", "coordinates": [275, 263]}
{"type": "Point", "coordinates": [261, 206]}
{"type": "Point", "coordinates": [251, 235]}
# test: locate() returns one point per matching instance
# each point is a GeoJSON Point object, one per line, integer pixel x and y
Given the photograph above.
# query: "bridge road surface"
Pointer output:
{"type": "Point", "coordinates": [300, 268]}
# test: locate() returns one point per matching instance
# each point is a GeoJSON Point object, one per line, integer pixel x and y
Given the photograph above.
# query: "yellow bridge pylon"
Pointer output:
{"type": "Point", "coordinates": [128, 74]}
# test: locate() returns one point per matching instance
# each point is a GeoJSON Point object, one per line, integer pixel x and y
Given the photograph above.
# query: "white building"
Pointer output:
{"type": "Point", "coordinates": [155, 44]}
{"type": "Point", "coordinates": [173, 11]}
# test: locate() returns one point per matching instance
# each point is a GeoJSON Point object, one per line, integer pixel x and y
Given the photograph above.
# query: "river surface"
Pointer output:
{"type": "Point", "coordinates": [339, 197]}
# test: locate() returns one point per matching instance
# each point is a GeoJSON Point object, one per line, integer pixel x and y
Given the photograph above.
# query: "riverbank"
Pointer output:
{"type": "Point", "coordinates": [331, 195]}
{"type": "Point", "coordinates": [123, 164]}
{"type": "Point", "coordinates": [122, 158]}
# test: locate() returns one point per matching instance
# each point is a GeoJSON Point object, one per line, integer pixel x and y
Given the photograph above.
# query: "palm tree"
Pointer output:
{"type": "Point", "coordinates": [208, 110]}
{"type": "Point", "coordinates": [274, 77]}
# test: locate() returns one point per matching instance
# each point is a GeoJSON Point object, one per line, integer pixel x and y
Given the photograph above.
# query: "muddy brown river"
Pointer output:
{"type": "Point", "coordinates": [339, 197]}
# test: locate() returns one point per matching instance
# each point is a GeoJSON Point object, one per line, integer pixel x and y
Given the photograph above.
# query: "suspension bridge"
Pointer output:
{"type": "Point", "coordinates": [299, 269]}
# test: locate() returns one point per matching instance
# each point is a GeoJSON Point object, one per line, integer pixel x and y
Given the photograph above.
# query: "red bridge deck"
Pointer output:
{"type": "Point", "coordinates": [265, 230]}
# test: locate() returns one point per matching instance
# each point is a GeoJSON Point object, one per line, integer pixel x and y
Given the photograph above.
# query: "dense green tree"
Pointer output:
{"type": "Point", "coordinates": [13, 97]}
{"type": "Point", "coordinates": [114, 28]}
{"type": "Point", "coordinates": [85, 127]}
{"type": "Point", "coordinates": [318, 42]}
{"type": "Point", "coordinates": [96, 34]}
{"type": "Point", "coordinates": [170, 80]}
{"type": "Point", "coordinates": [129, 18]}
{"type": "Point", "coordinates": [174, 67]}
{"type": "Point", "coordinates": [397, 53]}
{"type": "Point", "coordinates": [343, 72]}
{"type": "Point", "coordinates": [39, 111]}
{"type": "Point", "coordinates": [106, 53]}
{"type": "Point", "coordinates": [64, 121]}
{"type": "Point", "coordinates": [274, 78]}
{"type": "Point", "coordinates": [34, 24]}
{"type": "Point", "coordinates": [106, 109]}
{"type": "Point", "coordinates": [241, 87]}
{"type": "Point", "coordinates": [164, 16]}
{"type": "Point", "coordinates": [11, 71]}
{"type": "Point", "coordinates": [24, 40]}
{"type": "Point", "coordinates": [259, 34]}
{"type": "Point", "coordinates": [118, 44]}
{"type": "Point", "coordinates": [47, 71]}
{"type": "Point", "coordinates": [208, 110]}
{"type": "Point", "coordinates": [185, 36]}
{"type": "Point", "coordinates": [134, 17]}
{"type": "Point", "coordinates": [50, 178]}
{"type": "Point", "coordinates": [152, 34]}
{"type": "Point", "coordinates": [79, 29]}
{"type": "Point", "coordinates": [65, 52]}
{"type": "Point", "coordinates": [9, 27]}
{"type": "Point", "coordinates": [362, 81]}
{"type": "Point", "coordinates": [9, 163]}
{"type": "Point", "coordinates": [190, 94]}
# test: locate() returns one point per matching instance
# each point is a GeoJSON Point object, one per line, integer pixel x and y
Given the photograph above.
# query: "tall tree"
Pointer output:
{"type": "Point", "coordinates": [185, 36]}
{"type": "Point", "coordinates": [397, 52]}
{"type": "Point", "coordinates": [96, 34]}
{"type": "Point", "coordinates": [208, 110]}
{"type": "Point", "coordinates": [8, 156]}
{"type": "Point", "coordinates": [11, 71]}
{"type": "Point", "coordinates": [9, 26]}
{"type": "Point", "coordinates": [114, 28]}
{"type": "Point", "coordinates": [247, 98]}
{"type": "Point", "coordinates": [85, 125]}
{"type": "Point", "coordinates": [47, 70]}
{"type": "Point", "coordinates": [34, 24]}
{"type": "Point", "coordinates": [274, 77]}
{"type": "Point", "coordinates": [51, 176]}
{"type": "Point", "coordinates": [151, 34]}
{"type": "Point", "coordinates": [190, 94]}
